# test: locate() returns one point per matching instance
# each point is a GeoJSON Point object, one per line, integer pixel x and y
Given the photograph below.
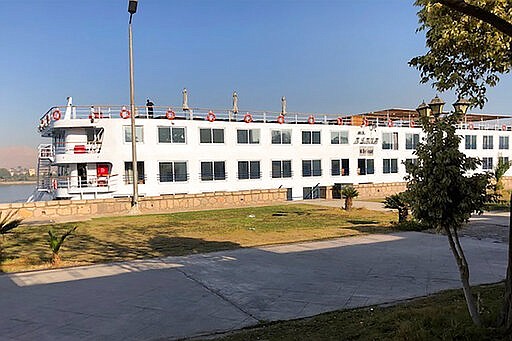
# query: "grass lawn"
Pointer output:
{"type": "Point", "coordinates": [438, 317]}
{"type": "Point", "coordinates": [135, 237]}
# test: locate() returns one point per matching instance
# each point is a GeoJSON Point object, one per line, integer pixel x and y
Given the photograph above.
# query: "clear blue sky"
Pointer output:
{"type": "Point", "coordinates": [334, 56]}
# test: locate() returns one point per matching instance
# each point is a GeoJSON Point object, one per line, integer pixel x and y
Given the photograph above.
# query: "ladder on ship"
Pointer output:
{"type": "Point", "coordinates": [44, 170]}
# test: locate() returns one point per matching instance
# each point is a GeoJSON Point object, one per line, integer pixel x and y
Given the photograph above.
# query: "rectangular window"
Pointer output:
{"type": "Point", "coordinates": [470, 141]}
{"type": "Point", "coordinates": [311, 168]}
{"type": "Point", "coordinates": [248, 136]}
{"type": "Point", "coordinates": [171, 135]}
{"type": "Point", "coordinates": [365, 166]}
{"type": "Point", "coordinates": [281, 136]}
{"type": "Point", "coordinates": [487, 163]}
{"type": "Point", "coordinates": [488, 142]}
{"type": "Point", "coordinates": [411, 161]}
{"type": "Point", "coordinates": [503, 142]}
{"type": "Point", "coordinates": [389, 166]}
{"type": "Point", "coordinates": [390, 141]}
{"type": "Point", "coordinates": [411, 141]}
{"type": "Point", "coordinates": [139, 134]}
{"type": "Point", "coordinates": [215, 170]}
{"type": "Point", "coordinates": [207, 135]}
{"type": "Point", "coordinates": [339, 137]}
{"type": "Point", "coordinates": [249, 170]}
{"type": "Point", "coordinates": [282, 169]}
{"type": "Point", "coordinates": [311, 137]}
{"type": "Point", "coordinates": [339, 167]}
{"type": "Point", "coordinates": [173, 171]}
{"type": "Point", "coordinates": [128, 172]}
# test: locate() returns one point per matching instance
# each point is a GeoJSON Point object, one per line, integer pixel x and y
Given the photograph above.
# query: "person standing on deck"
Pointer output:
{"type": "Point", "coordinates": [150, 105]}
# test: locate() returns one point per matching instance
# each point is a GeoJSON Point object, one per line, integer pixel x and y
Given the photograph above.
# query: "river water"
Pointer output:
{"type": "Point", "coordinates": [15, 193]}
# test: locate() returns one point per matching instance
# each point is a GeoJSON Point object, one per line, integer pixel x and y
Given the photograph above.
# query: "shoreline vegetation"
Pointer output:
{"type": "Point", "coordinates": [18, 182]}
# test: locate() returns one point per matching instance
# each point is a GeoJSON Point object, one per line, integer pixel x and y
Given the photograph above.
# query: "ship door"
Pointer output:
{"type": "Point", "coordinates": [82, 174]}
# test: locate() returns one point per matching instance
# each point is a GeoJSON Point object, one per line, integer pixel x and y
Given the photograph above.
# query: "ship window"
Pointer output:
{"type": "Point", "coordinates": [365, 166]}
{"type": "Point", "coordinates": [470, 141]}
{"type": "Point", "coordinates": [171, 135]}
{"type": "Point", "coordinates": [173, 171]}
{"type": "Point", "coordinates": [487, 163]}
{"type": "Point", "coordinates": [213, 170]}
{"type": "Point", "coordinates": [339, 137]}
{"type": "Point", "coordinates": [248, 136]}
{"type": "Point", "coordinates": [311, 168]}
{"type": "Point", "coordinates": [282, 136]}
{"type": "Point", "coordinates": [503, 142]}
{"type": "Point", "coordinates": [389, 166]}
{"type": "Point", "coordinates": [207, 135]}
{"type": "Point", "coordinates": [128, 172]}
{"type": "Point", "coordinates": [249, 170]}
{"type": "Point", "coordinates": [340, 167]}
{"type": "Point", "coordinates": [311, 137]}
{"type": "Point", "coordinates": [488, 142]}
{"type": "Point", "coordinates": [390, 141]}
{"type": "Point", "coordinates": [139, 134]}
{"type": "Point", "coordinates": [413, 161]}
{"type": "Point", "coordinates": [282, 169]}
{"type": "Point", "coordinates": [411, 141]}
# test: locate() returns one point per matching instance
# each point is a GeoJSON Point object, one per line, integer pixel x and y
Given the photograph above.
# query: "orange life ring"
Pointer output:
{"type": "Point", "coordinates": [311, 119]}
{"type": "Point", "coordinates": [171, 115]}
{"type": "Point", "coordinates": [211, 116]}
{"type": "Point", "coordinates": [390, 123]}
{"type": "Point", "coordinates": [56, 114]}
{"type": "Point", "coordinates": [280, 119]}
{"type": "Point", "coordinates": [504, 127]}
{"type": "Point", "coordinates": [55, 185]}
{"type": "Point", "coordinates": [471, 126]}
{"type": "Point", "coordinates": [411, 124]}
{"type": "Point", "coordinates": [125, 113]}
{"type": "Point", "coordinates": [339, 120]}
{"type": "Point", "coordinates": [247, 118]}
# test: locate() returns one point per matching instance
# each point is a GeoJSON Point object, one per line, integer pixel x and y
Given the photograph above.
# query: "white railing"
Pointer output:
{"type": "Point", "coordinates": [77, 148]}
{"type": "Point", "coordinates": [45, 151]}
{"type": "Point", "coordinates": [81, 184]}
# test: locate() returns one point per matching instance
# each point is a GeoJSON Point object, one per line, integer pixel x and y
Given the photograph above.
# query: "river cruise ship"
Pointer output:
{"type": "Point", "coordinates": [194, 150]}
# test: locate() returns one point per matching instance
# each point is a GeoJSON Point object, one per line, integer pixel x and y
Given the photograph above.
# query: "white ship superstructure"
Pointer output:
{"type": "Point", "coordinates": [192, 150]}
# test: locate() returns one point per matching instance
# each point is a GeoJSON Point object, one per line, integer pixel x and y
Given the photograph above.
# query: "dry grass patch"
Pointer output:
{"type": "Point", "coordinates": [135, 237]}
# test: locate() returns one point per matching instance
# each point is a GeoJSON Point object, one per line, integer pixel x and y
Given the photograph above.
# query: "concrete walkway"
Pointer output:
{"type": "Point", "coordinates": [180, 297]}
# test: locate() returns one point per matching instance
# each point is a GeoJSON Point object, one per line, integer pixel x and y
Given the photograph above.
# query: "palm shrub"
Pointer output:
{"type": "Point", "coordinates": [349, 193]}
{"type": "Point", "coordinates": [497, 175]}
{"type": "Point", "coordinates": [56, 242]}
{"type": "Point", "coordinates": [398, 202]}
{"type": "Point", "coordinates": [9, 222]}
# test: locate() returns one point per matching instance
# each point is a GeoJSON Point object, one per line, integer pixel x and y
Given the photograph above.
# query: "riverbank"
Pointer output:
{"type": "Point", "coordinates": [7, 183]}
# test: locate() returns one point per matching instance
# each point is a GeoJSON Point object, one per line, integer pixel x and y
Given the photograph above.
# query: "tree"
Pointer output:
{"type": "Point", "coordinates": [9, 222]}
{"type": "Point", "coordinates": [398, 202]}
{"type": "Point", "coordinates": [469, 46]}
{"type": "Point", "coordinates": [497, 174]}
{"type": "Point", "coordinates": [4, 174]}
{"type": "Point", "coordinates": [349, 193]}
{"type": "Point", "coordinates": [55, 243]}
{"type": "Point", "coordinates": [441, 192]}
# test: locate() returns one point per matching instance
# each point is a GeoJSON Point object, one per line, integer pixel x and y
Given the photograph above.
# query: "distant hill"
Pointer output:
{"type": "Point", "coordinates": [14, 156]}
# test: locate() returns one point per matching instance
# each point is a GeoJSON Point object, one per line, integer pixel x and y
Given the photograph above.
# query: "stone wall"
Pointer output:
{"type": "Point", "coordinates": [71, 209]}
{"type": "Point", "coordinates": [368, 191]}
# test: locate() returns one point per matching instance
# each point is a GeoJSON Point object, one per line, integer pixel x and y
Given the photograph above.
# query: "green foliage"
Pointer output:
{"type": "Point", "coordinates": [349, 192]}
{"type": "Point", "coordinates": [399, 202]}
{"type": "Point", "coordinates": [497, 174]}
{"type": "Point", "coordinates": [4, 173]}
{"type": "Point", "coordinates": [9, 222]}
{"type": "Point", "coordinates": [56, 242]}
{"type": "Point", "coordinates": [440, 190]}
{"type": "Point", "coordinates": [464, 53]}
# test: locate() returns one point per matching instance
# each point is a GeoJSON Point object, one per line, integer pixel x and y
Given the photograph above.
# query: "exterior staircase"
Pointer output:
{"type": "Point", "coordinates": [44, 171]}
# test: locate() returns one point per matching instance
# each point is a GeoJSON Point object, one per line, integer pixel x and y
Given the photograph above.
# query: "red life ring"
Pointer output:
{"type": "Point", "coordinates": [503, 127]}
{"type": "Point", "coordinates": [280, 119]}
{"type": "Point", "coordinates": [365, 122]}
{"type": "Point", "coordinates": [55, 185]}
{"type": "Point", "coordinates": [471, 126]}
{"type": "Point", "coordinates": [171, 115]}
{"type": "Point", "coordinates": [339, 120]}
{"type": "Point", "coordinates": [211, 116]}
{"type": "Point", "coordinates": [247, 118]}
{"type": "Point", "coordinates": [390, 123]}
{"type": "Point", "coordinates": [125, 113]}
{"type": "Point", "coordinates": [56, 114]}
{"type": "Point", "coordinates": [411, 124]}
{"type": "Point", "coordinates": [311, 119]}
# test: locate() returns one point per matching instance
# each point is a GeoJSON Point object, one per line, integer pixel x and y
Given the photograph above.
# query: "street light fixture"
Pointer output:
{"type": "Point", "coordinates": [436, 105]}
{"type": "Point", "coordinates": [461, 106]}
{"type": "Point", "coordinates": [132, 8]}
{"type": "Point", "coordinates": [423, 109]}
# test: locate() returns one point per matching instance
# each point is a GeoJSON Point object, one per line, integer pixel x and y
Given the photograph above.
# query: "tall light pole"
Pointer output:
{"type": "Point", "coordinates": [132, 8]}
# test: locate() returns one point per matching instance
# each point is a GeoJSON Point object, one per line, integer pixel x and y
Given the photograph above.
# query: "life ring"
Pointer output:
{"type": "Point", "coordinates": [471, 126]}
{"type": "Point", "coordinates": [365, 122]}
{"type": "Point", "coordinates": [171, 115]}
{"type": "Point", "coordinates": [504, 127]}
{"type": "Point", "coordinates": [411, 124]}
{"type": "Point", "coordinates": [56, 114]}
{"type": "Point", "coordinates": [390, 123]}
{"type": "Point", "coordinates": [311, 119]}
{"type": "Point", "coordinates": [280, 119]}
{"type": "Point", "coordinates": [125, 113]}
{"type": "Point", "coordinates": [55, 185]}
{"type": "Point", "coordinates": [339, 120]}
{"type": "Point", "coordinates": [211, 116]}
{"type": "Point", "coordinates": [247, 118]}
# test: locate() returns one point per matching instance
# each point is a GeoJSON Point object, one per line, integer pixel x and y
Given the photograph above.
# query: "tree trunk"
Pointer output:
{"type": "Point", "coordinates": [402, 214]}
{"type": "Point", "coordinates": [462, 264]}
{"type": "Point", "coordinates": [348, 203]}
{"type": "Point", "coordinates": [505, 318]}
{"type": "Point", "coordinates": [55, 259]}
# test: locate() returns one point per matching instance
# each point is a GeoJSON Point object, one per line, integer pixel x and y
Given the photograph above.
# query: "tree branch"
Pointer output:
{"type": "Point", "coordinates": [479, 13]}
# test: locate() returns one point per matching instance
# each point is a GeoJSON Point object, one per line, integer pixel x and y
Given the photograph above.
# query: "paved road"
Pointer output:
{"type": "Point", "coordinates": [179, 297]}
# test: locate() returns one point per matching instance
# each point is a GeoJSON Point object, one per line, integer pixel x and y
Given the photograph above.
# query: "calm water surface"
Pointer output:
{"type": "Point", "coordinates": [15, 193]}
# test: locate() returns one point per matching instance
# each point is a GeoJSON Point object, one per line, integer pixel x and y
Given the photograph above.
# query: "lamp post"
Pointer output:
{"type": "Point", "coordinates": [436, 107]}
{"type": "Point", "coordinates": [132, 8]}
